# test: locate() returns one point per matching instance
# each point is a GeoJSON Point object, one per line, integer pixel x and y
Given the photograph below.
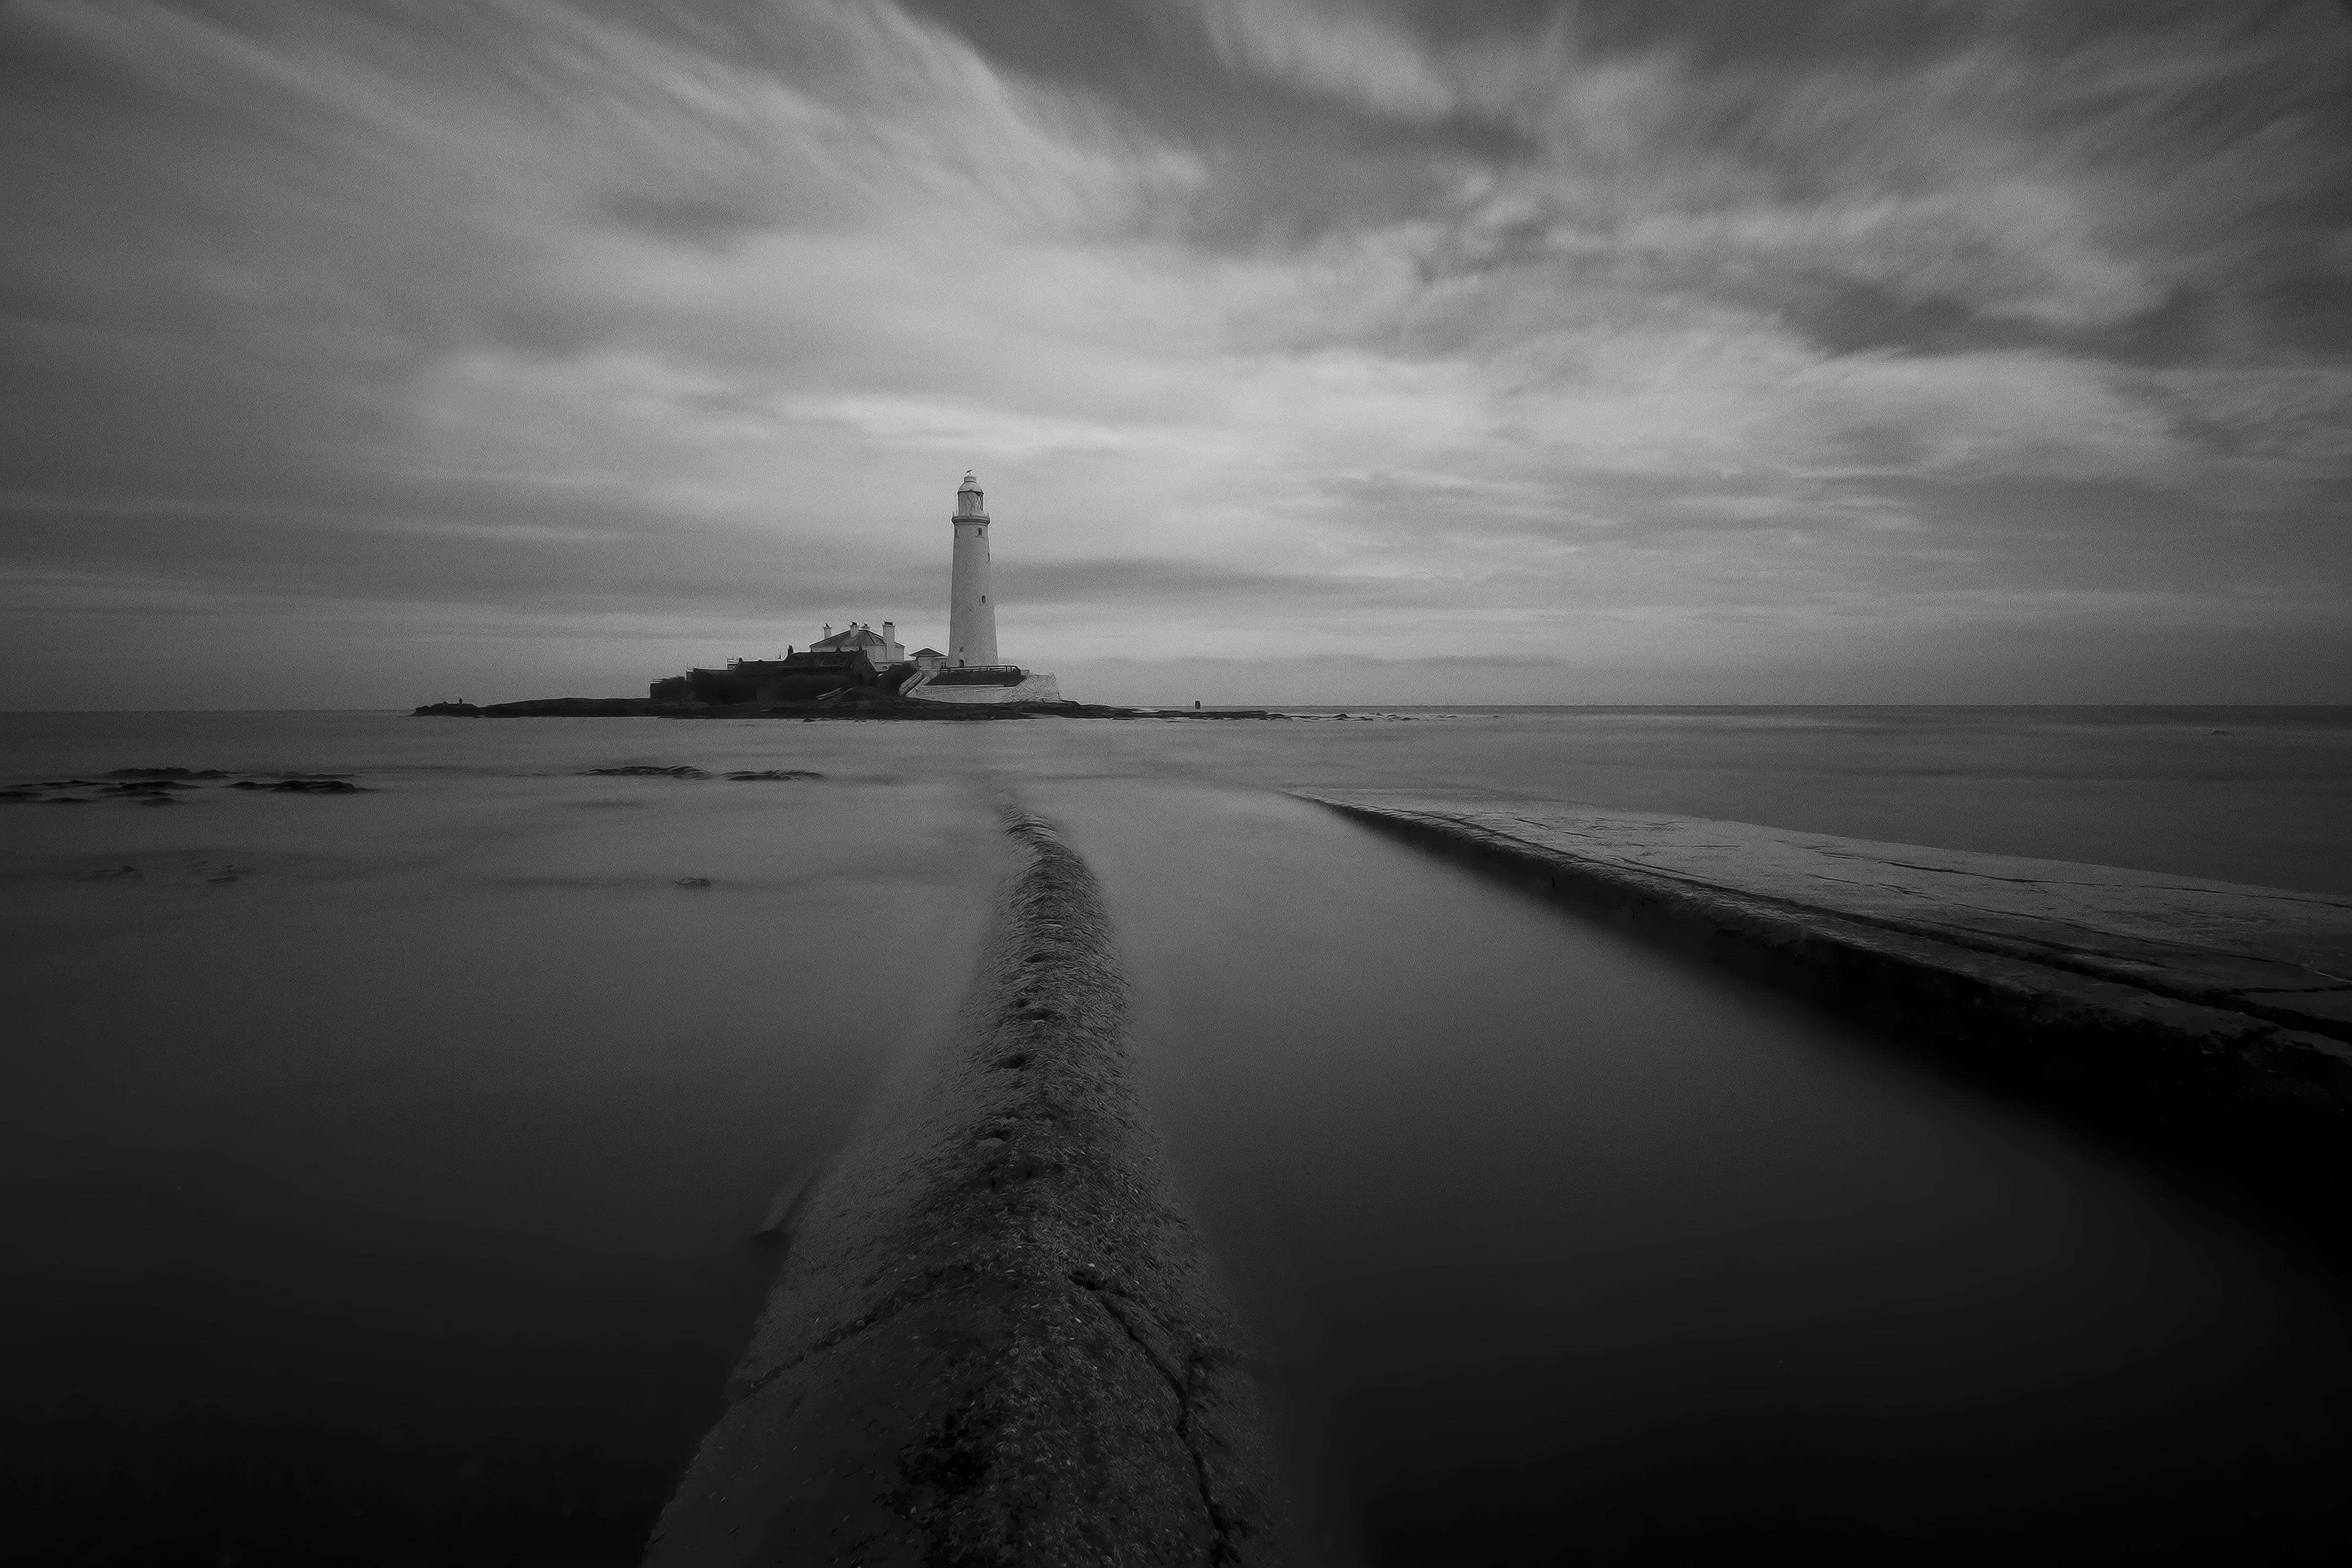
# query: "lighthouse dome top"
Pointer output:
{"type": "Point", "coordinates": [968, 499]}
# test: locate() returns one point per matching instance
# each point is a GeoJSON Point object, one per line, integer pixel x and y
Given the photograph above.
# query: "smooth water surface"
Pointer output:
{"type": "Point", "coordinates": [1568, 1248]}
{"type": "Point", "coordinates": [387, 1161]}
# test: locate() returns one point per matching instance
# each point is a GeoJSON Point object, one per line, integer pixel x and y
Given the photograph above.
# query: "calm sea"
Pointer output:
{"type": "Point", "coordinates": [385, 1163]}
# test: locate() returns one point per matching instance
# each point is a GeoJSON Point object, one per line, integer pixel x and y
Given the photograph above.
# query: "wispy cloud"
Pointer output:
{"type": "Point", "coordinates": [1255, 316]}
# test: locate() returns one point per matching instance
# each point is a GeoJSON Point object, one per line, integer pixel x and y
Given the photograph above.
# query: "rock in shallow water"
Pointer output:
{"type": "Point", "coordinates": [320, 784]}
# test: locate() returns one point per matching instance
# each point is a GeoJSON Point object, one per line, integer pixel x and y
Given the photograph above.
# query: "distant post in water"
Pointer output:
{"type": "Point", "coordinates": [971, 619]}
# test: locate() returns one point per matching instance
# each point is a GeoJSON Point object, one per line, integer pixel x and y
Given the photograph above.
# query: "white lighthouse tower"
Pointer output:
{"type": "Point", "coordinates": [971, 619]}
{"type": "Point", "coordinates": [969, 671]}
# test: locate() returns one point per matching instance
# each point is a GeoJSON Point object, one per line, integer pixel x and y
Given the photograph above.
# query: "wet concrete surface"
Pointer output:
{"type": "Point", "coordinates": [994, 1338]}
{"type": "Point", "coordinates": [2172, 1009]}
{"type": "Point", "coordinates": [2282, 955]}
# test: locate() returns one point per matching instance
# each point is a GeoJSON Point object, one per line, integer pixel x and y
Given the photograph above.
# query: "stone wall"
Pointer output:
{"type": "Point", "coordinates": [1038, 687]}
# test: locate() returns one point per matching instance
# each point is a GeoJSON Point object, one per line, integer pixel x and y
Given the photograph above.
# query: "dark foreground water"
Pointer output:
{"type": "Point", "coordinates": [384, 1163]}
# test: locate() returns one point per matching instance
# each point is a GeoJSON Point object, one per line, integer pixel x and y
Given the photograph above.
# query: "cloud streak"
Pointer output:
{"type": "Point", "coordinates": [1310, 328]}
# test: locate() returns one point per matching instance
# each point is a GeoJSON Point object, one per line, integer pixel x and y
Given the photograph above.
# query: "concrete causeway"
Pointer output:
{"type": "Point", "coordinates": [2247, 991]}
{"type": "Point", "coordinates": [994, 1337]}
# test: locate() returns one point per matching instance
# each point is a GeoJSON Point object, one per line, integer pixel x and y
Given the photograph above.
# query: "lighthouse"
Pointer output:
{"type": "Point", "coordinates": [971, 619]}
{"type": "Point", "coordinates": [969, 672]}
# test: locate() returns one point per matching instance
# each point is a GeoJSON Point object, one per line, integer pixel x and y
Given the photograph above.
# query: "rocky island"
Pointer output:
{"type": "Point", "coordinates": [860, 673]}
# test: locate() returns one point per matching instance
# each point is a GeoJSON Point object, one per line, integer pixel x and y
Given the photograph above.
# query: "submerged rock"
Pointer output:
{"type": "Point", "coordinates": [139, 786]}
{"type": "Point", "coordinates": [314, 784]}
{"type": "Point", "coordinates": [646, 771]}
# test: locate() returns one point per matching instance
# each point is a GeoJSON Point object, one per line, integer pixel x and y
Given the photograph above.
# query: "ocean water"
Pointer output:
{"type": "Point", "coordinates": [386, 1162]}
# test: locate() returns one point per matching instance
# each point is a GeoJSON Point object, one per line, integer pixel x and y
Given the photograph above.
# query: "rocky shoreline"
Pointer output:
{"type": "Point", "coordinates": [854, 703]}
{"type": "Point", "coordinates": [173, 786]}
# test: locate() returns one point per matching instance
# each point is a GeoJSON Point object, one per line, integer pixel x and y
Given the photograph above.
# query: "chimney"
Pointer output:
{"type": "Point", "coordinates": [890, 641]}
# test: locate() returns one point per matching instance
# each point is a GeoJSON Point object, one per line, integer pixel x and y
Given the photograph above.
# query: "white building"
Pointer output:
{"type": "Point", "coordinates": [881, 648]}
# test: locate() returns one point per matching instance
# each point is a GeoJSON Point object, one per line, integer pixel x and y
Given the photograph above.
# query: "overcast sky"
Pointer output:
{"type": "Point", "coordinates": [361, 354]}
